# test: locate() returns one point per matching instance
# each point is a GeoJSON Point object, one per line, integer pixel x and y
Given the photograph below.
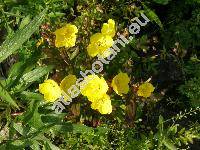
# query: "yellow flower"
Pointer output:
{"type": "Point", "coordinates": [103, 105]}
{"type": "Point", "coordinates": [66, 36]}
{"type": "Point", "coordinates": [145, 90]}
{"type": "Point", "coordinates": [93, 87]}
{"type": "Point", "coordinates": [120, 83]}
{"type": "Point", "coordinates": [109, 28]}
{"type": "Point", "coordinates": [99, 44]}
{"type": "Point", "coordinates": [67, 82]}
{"type": "Point", "coordinates": [50, 89]}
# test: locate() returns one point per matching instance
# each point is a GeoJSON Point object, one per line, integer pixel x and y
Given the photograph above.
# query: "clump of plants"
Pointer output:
{"type": "Point", "coordinates": [99, 74]}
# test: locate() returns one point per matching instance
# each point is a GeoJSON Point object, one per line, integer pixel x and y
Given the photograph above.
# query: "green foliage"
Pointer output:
{"type": "Point", "coordinates": [163, 2]}
{"type": "Point", "coordinates": [191, 87]}
{"type": "Point", "coordinates": [183, 29]}
{"type": "Point", "coordinates": [192, 90]}
{"type": "Point", "coordinates": [31, 77]}
{"type": "Point", "coordinates": [13, 43]}
{"type": "Point", "coordinates": [5, 96]}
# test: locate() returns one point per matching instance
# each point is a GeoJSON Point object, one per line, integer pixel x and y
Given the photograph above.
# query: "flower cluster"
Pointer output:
{"type": "Point", "coordinates": [95, 88]}
{"type": "Point", "coordinates": [52, 91]}
{"type": "Point", "coordinates": [101, 42]}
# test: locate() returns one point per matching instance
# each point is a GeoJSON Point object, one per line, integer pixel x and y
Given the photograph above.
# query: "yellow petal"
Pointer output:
{"type": "Point", "coordinates": [67, 82]}
{"type": "Point", "coordinates": [120, 83]}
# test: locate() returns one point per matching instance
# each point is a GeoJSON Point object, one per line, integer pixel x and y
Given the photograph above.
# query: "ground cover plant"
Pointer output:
{"type": "Point", "coordinates": [96, 74]}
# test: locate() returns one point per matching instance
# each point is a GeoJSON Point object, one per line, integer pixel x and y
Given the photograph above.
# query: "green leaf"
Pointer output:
{"type": "Point", "coordinates": [10, 45]}
{"type": "Point", "coordinates": [53, 118]}
{"type": "Point", "coordinates": [163, 2]}
{"type": "Point", "coordinates": [152, 16]}
{"type": "Point", "coordinates": [14, 145]}
{"type": "Point", "coordinates": [63, 128]}
{"type": "Point", "coordinates": [80, 128]}
{"type": "Point", "coordinates": [36, 120]}
{"type": "Point", "coordinates": [56, 14]}
{"type": "Point", "coordinates": [169, 144]}
{"type": "Point", "coordinates": [31, 77]}
{"type": "Point", "coordinates": [32, 117]}
{"type": "Point", "coordinates": [13, 72]}
{"type": "Point", "coordinates": [161, 120]}
{"type": "Point", "coordinates": [35, 74]}
{"type": "Point", "coordinates": [20, 68]}
{"type": "Point", "coordinates": [21, 129]}
{"type": "Point", "coordinates": [49, 146]}
{"type": "Point", "coordinates": [24, 22]}
{"type": "Point", "coordinates": [101, 130]}
{"type": "Point", "coordinates": [31, 96]}
{"type": "Point", "coordinates": [5, 96]}
{"type": "Point", "coordinates": [35, 145]}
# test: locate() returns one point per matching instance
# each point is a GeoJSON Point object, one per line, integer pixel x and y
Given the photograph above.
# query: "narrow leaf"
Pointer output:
{"type": "Point", "coordinates": [31, 77]}
{"type": "Point", "coordinates": [35, 74]}
{"type": "Point", "coordinates": [169, 144]}
{"type": "Point", "coordinates": [152, 16]}
{"type": "Point", "coordinates": [5, 96]}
